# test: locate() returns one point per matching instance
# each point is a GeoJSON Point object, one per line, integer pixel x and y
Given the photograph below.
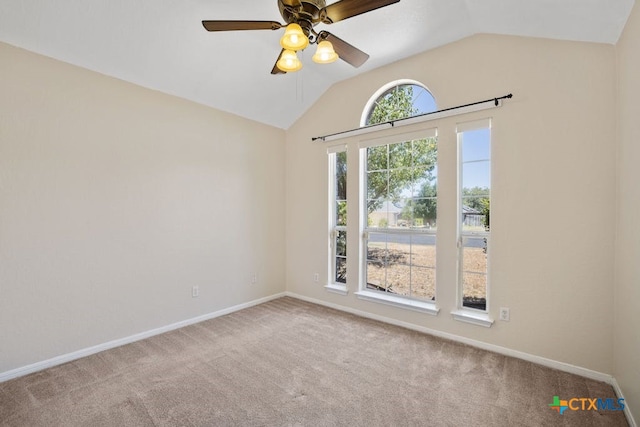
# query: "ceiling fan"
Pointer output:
{"type": "Point", "coordinates": [301, 16]}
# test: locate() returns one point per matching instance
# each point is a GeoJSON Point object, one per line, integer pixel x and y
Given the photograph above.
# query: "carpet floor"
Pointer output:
{"type": "Point", "coordinates": [292, 363]}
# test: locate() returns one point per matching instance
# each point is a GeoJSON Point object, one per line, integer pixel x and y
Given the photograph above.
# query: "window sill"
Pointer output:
{"type": "Point", "coordinates": [420, 306]}
{"type": "Point", "coordinates": [337, 289]}
{"type": "Point", "coordinates": [468, 316]}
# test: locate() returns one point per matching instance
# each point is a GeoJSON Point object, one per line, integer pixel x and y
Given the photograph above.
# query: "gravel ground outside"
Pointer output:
{"type": "Point", "coordinates": [410, 270]}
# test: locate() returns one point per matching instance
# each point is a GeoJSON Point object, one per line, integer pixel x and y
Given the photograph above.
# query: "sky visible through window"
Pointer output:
{"type": "Point", "coordinates": [423, 101]}
{"type": "Point", "coordinates": [477, 149]}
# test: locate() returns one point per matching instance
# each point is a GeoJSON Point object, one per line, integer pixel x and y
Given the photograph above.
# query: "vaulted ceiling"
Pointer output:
{"type": "Point", "coordinates": [161, 44]}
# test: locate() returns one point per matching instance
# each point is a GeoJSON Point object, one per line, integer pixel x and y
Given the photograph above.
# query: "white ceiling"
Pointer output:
{"type": "Point", "coordinates": [161, 44]}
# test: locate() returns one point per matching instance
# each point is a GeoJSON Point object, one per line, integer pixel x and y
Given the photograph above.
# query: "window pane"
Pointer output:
{"type": "Point", "coordinates": [400, 183]}
{"type": "Point", "coordinates": [423, 101]}
{"type": "Point", "coordinates": [341, 270]}
{"type": "Point", "coordinates": [425, 152]}
{"type": "Point", "coordinates": [399, 101]}
{"type": "Point", "coordinates": [400, 155]}
{"type": "Point", "coordinates": [475, 214]}
{"type": "Point", "coordinates": [341, 213]}
{"type": "Point", "coordinates": [376, 279]}
{"type": "Point", "coordinates": [476, 145]}
{"type": "Point", "coordinates": [423, 250]}
{"type": "Point", "coordinates": [423, 180]}
{"type": "Point", "coordinates": [341, 243]}
{"type": "Point", "coordinates": [423, 283]}
{"type": "Point", "coordinates": [398, 249]}
{"type": "Point", "coordinates": [474, 272]}
{"type": "Point", "coordinates": [378, 216]}
{"type": "Point", "coordinates": [405, 216]}
{"type": "Point", "coordinates": [402, 264]}
{"type": "Point", "coordinates": [377, 158]}
{"type": "Point", "coordinates": [424, 213]}
{"type": "Point", "coordinates": [377, 261]}
{"type": "Point", "coordinates": [476, 175]}
{"type": "Point", "coordinates": [397, 263]}
{"type": "Point", "coordinates": [341, 176]}
{"type": "Point", "coordinates": [377, 185]}
{"type": "Point", "coordinates": [377, 247]}
{"type": "Point", "coordinates": [399, 279]}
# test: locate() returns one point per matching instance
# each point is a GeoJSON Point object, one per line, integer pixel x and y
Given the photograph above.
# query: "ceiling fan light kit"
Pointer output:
{"type": "Point", "coordinates": [289, 61]}
{"type": "Point", "coordinates": [301, 16]}
{"type": "Point", "coordinates": [293, 38]}
{"type": "Point", "coordinates": [325, 53]}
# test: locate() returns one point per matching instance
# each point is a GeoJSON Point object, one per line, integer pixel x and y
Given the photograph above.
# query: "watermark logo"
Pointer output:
{"type": "Point", "coordinates": [559, 405]}
{"type": "Point", "coordinates": [586, 404]}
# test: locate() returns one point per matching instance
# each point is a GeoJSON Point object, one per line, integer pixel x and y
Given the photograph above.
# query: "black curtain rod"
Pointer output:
{"type": "Point", "coordinates": [392, 122]}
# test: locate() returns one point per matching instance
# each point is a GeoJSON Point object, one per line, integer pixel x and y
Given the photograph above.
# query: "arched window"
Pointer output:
{"type": "Point", "coordinates": [398, 100]}
{"type": "Point", "coordinates": [400, 199]}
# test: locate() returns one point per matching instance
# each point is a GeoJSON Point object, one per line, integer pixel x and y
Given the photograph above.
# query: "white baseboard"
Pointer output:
{"type": "Point", "coordinates": [627, 410]}
{"type": "Point", "coordinates": [566, 367]}
{"type": "Point", "coordinates": [59, 360]}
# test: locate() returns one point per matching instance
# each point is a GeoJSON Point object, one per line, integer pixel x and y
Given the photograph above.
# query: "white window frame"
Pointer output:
{"type": "Point", "coordinates": [383, 90]}
{"type": "Point", "coordinates": [358, 245]}
{"type": "Point", "coordinates": [363, 293]}
{"type": "Point", "coordinates": [462, 313]}
{"type": "Point", "coordinates": [334, 228]}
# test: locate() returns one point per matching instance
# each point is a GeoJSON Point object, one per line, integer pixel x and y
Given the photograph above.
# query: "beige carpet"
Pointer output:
{"type": "Point", "coordinates": [291, 363]}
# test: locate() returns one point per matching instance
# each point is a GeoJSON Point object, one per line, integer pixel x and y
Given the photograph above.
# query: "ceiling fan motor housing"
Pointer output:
{"type": "Point", "coordinates": [306, 13]}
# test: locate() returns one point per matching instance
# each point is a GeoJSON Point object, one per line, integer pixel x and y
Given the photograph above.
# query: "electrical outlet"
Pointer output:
{"type": "Point", "coordinates": [195, 291]}
{"type": "Point", "coordinates": [254, 278]}
{"type": "Point", "coordinates": [316, 277]}
{"type": "Point", "coordinates": [504, 314]}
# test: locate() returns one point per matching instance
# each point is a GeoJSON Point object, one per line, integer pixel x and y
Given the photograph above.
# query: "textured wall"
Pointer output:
{"type": "Point", "coordinates": [116, 200]}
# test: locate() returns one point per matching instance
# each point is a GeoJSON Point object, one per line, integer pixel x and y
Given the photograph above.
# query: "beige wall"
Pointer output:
{"type": "Point", "coordinates": [627, 280]}
{"type": "Point", "coordinates": [553, 203]}
{"type": "Point", "coordinates": [116, 200]}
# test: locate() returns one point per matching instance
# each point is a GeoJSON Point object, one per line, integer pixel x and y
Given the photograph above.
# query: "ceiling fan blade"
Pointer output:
{"type": "Point", "coordinates": [275, 69]}
{"type": "Point", "coordinates": [240, 25]}
{"type": "Point", "coordinates": [348, 53]}
{"type": "Point", "coordinates": [344, 9]}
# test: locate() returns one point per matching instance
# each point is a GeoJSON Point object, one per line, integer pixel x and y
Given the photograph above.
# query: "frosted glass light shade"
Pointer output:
{"type": "Point", "coordinates": [293, 38]}
{"type": "Point", "coordinates": [289, 62]}
{"type": "Point", "coordinates": [325, 53]}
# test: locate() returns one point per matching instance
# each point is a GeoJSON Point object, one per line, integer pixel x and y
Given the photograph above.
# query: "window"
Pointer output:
{"type": "Point", "coordinates": [400, 203]}
{"type": "Point", "coordinates": [398, 100]}
{"type": "Point", "coordinates": [400, 207]}
{"type": "Point", "coordinates": [474, 188]}
{"type": "Point", "coordinates": [338, 219]}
